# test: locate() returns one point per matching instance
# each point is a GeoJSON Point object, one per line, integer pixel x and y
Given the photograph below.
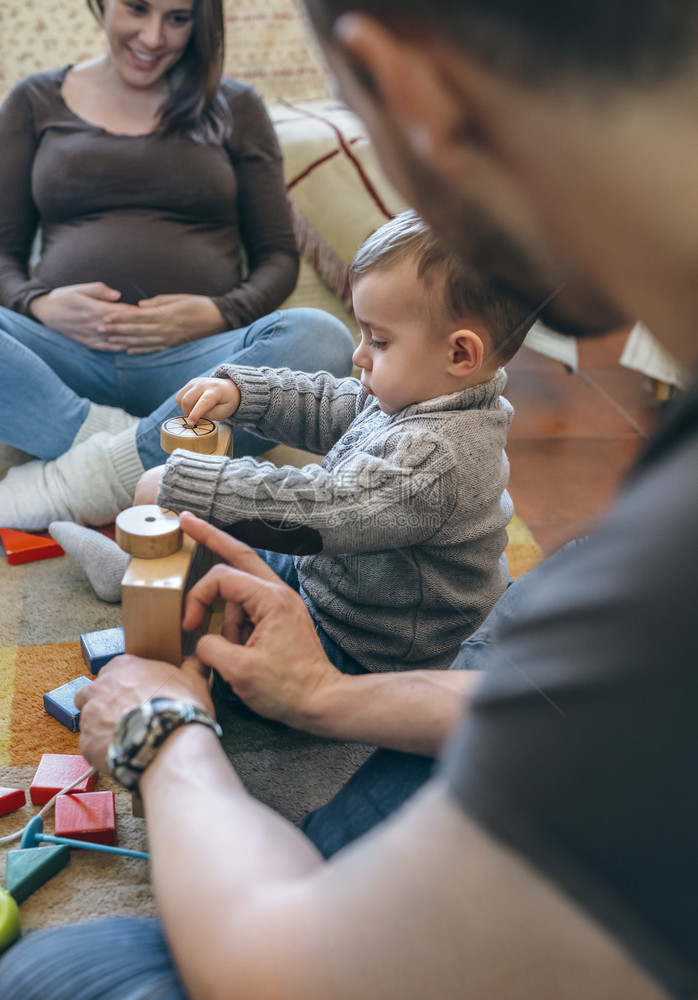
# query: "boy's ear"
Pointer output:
{"type": "Point", "coordinates": [466, 353]}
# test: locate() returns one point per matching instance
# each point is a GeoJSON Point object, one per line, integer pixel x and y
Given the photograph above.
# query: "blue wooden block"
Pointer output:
{"type": "Point", "coordinates": [60, 703]}
{"type": "Point", "coordinates": [99, 647]}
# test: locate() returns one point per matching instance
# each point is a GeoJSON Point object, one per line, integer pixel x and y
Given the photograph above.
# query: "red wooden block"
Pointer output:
{"type": "Point", "coordinates": [11, 799]}
{"type": "Point", "coordinates": [55, 771]}
{"type": "Point", "coordinates": [87, 817]}
{"type": "Point", "coordinates": [21, 547]}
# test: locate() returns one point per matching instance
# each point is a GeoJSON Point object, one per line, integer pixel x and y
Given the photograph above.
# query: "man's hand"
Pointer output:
{"type": "Point", "coordinates": [161, 322]}
{"type": "Point", "coordinates": [281, 670]}
{"type": "Point", "coordinates": [127, 681]}
{"type": "Point", "coordinates": [148, 485]}
{"type": "Point", "coordinates": [215, 398]}
{"type": "Point", "coordinates": [79, 312]}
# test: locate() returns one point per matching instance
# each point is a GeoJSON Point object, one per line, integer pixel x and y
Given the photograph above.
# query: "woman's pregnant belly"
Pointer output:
{"type": "Point", "coordinates": [142, 255]}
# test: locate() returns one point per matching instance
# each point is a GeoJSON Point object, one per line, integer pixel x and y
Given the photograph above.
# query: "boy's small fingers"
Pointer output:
{"type": "Point", "coordinates": [199, 409]}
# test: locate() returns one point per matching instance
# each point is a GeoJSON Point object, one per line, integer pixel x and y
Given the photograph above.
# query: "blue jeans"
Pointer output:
{"type": "Point", "coordinates": [133, 961]}
{"type": "Point", "coordinates": [47, 380]}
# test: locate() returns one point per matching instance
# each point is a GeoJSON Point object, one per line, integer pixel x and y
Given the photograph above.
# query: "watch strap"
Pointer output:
{"type": "Point", "coordinates": [142, 730]}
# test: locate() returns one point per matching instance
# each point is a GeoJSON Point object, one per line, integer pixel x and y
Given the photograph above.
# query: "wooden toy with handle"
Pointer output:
{"type": "Point", "coordinates": [165, 563]}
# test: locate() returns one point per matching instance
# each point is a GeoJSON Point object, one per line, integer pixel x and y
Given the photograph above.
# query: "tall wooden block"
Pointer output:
{"type": "Point", "coordinates": [153, 588]}
{"type": "Point", "coordinates": [55, 771]}
{"type": "Point", "coordinates": [90, 816]}
{"type": "Point", "coordinates": [165, 563]}
{"type": "Point", "coordinates": [29, 868]}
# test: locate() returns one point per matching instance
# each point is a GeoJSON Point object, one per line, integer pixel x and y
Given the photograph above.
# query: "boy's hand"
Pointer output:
{"type": "Point", "coordinates": [215, 398]}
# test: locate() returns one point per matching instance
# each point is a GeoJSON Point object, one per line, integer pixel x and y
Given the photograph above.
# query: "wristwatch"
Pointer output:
{"type": "Point", "coordinates": [142, 730]}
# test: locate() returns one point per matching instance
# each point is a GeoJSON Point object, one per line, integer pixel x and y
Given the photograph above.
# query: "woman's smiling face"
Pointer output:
{"type": "Point", "coordinates": [147, 37]}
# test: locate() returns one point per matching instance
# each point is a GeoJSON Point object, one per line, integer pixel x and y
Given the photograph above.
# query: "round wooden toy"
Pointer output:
{"type": "Point", "coordinates": [177, 432]}
{"type": "Point", "coordinates": [9, 920]}
{"type": "Point", "coordinates": [148, 531]}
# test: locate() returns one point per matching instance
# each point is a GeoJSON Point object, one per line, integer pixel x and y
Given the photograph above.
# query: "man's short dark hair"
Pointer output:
{"type": "Point", "coordinates": [639, 41]}
{"type": "Point", "coordinates": [458, 291]}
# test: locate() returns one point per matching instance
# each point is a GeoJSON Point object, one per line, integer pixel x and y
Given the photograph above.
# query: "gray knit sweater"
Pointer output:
{"type": "Point", "coordinates": [411, 507]}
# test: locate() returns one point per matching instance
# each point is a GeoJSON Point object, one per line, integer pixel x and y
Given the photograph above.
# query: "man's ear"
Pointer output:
{"type": "Point", "coordinates": [404, 73]}
{"type": "Point", "coordinates": [466, 353]}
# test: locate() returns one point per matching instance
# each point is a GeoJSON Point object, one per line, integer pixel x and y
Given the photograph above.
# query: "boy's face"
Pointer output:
{"type": "Point", "coordinates": [404, 357]}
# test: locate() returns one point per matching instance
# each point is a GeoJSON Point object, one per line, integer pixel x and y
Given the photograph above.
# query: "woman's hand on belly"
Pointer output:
{"type": "Point", "coordinates": [78, 312]}
{"type": "Point", "coordinates": [161, 322]}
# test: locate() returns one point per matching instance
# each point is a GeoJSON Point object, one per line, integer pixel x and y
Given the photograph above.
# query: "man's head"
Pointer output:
{"type": "Point", "coordinates": [430, 324]}
{"type": "Point", "coordinates": [530, 135]}
{"type": "Point", "coordinates": [618, 41]}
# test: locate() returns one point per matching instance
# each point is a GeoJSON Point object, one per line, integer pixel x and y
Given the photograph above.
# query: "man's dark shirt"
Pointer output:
{"type": "Point", "coordinates": [581, 746]}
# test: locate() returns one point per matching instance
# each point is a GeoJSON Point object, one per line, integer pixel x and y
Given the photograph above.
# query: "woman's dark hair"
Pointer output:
{"type": "Point", "coordinates": [193, 106]}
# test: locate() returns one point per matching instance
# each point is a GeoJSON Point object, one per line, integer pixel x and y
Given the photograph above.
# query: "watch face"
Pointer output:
{"type": "Point", "coordinates": [136, 730]}
{"type": "Point", "coordinates": [142, 730]}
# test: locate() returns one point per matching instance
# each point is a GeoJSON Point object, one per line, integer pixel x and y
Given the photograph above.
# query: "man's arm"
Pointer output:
{"type": "Point", "coordinates": [427, 906]}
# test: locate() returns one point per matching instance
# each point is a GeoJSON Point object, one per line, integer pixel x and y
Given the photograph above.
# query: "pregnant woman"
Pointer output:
{"type": "Point", "coordinates": [165, 247]}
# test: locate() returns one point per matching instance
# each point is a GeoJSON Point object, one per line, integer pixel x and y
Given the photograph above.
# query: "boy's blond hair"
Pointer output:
{"type": "Point", "coordinates": [465, 295]}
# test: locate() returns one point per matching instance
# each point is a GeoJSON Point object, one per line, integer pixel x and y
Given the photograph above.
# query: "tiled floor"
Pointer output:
{"type": "Point", "coordinates": [573, 436]}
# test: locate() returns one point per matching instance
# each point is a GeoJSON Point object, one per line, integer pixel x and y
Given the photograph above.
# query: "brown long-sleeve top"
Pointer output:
{"type": "Point", "coordinates": [147, 214]}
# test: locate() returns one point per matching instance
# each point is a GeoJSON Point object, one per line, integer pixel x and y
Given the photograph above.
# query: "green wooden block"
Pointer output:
{"type": "Point", "coordinates": [9, 920]}
{"type": "Point", "coordinates": [30, 867]}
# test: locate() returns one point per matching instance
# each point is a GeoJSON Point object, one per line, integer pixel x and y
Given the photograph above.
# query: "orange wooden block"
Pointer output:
{"type": "Point", "coordinates": [11, 799]}
{"type": "Point", "coordinates": [21, 547]}
{"type": "Point", "coordinates": [90, 816]}
{"type": "Point", "coordinates": [55, 771]}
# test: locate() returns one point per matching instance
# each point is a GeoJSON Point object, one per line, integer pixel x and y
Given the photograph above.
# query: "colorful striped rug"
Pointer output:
{"type": "Point", "coordinates": [45, 607]}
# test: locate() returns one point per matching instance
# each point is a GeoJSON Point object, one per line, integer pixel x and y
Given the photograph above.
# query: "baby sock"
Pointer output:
{"type": "Point", "coordinates": [101, 558]}
{"type": "Point", "coordinates": [90, 483]}
{"type": "Point", "coordinates": [104, 418]}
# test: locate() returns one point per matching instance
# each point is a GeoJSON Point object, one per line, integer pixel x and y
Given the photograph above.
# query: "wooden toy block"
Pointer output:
{"type": "Point", "coordinates": [55, 771]}
{"type": "Point", "coordinates": [22, 548]}
{"type": "Point", "coordinates": [60, 703]}
{"type": "Point", "coordinates": [99, 647]}
{"type": "Point", "coordinates": [154, 586]}
{"type": "Point", "coordinates": [10, 927]}
{"type": "Point", "coordinates": [205, 436]}
{"type": "Point", "coordinates": [11, 799]}
{"type": "Point", "coordinates": [30, 867]}
{"type": "Point", "coordinates": [90, 816]}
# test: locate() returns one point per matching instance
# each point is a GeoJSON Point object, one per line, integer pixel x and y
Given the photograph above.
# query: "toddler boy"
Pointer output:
{"type": "Point", "coordinates": [402, 528]}
{"type": "Point", "coordinates": [406, 516]}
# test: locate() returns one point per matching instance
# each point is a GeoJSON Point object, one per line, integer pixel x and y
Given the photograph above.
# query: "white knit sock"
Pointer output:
{"type": "Point", "coordinates": [90, 483]}
{"type": "Point", "coordinates": [101, 558]}
{"type": "Point", "coordinates": [104, 418]}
